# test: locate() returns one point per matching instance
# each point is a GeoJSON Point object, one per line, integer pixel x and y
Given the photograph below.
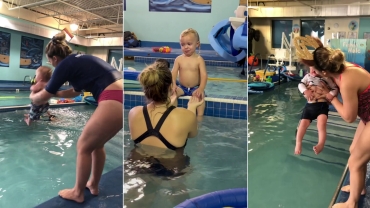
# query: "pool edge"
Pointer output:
{"type": "Point", "coordinates": [339, 186]}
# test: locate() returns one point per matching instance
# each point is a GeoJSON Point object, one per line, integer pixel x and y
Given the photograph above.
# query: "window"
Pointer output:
{"type": "Point", "coordinates": [278, 27]}
{"type": "Point", "coordinates": [314, 28]}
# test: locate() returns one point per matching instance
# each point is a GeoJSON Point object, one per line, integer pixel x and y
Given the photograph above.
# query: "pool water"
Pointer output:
{"type": "Point", "coordinates": [12, 98]}
{"type": "Point", "coordinates": [218, 161]}
{"type": "Point", "coordinates": [238, 89]}
{"type": "Point", "coordinates": [39, 160]}
{"type": "Point", "coordinates": [277, 177]}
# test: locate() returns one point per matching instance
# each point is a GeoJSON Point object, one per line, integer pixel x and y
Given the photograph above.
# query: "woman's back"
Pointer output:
{"type": "Point", "coordinates": [161, 127]}
{"type": "Point", "coordinates": [356, 76]}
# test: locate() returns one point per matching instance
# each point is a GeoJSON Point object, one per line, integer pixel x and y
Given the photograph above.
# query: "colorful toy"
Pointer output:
{"type": "Point", "coordinates": [257, 78]}
{"type": "Point", "coordinates": [269, 79]}
{"type": "Point", "coordinates": [62, 100]}
{"type": "Point", "coordinates": [164, 49]}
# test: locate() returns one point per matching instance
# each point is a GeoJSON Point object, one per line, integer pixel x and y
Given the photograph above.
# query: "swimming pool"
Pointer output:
{"type": "Point", "coordinates": [218, 160]}
{"type": "Point", "coordinates": [12, 98]}
{"type": "Point", "coordinates": [39, 160]}
{"type": "Point", "coordinates": [278, 178]}
{"type": "Point", "coordinates": [213, 87]}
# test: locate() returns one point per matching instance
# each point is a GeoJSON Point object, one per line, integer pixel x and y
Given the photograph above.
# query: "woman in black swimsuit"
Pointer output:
{"type": "Point", "coordinates": [160, 132]}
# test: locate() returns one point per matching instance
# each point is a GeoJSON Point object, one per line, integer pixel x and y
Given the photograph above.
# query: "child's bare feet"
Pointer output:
{"type": "Point", "coordinates": [27, 120]}
{"type": "Point", "coordinates": [298, 148]}
{"type": "Point", "coordinates": [71, 194]}
{"type": "Point", "coordinates": [318, 148]}
{"type": "Point", "coordinates": [347, 188]}
{"type": "Point", "coordinates": [94, 189]}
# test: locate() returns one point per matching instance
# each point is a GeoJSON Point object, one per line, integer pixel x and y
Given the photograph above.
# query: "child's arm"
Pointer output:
{"type": "Point", "coordinates": [203, 74]}
{"type": "Point", "coordinates": [302, 85]}
{"type": "Point", "coordinates": [175, 71]}
{"type": "Point", "coordinates": [332, 87]}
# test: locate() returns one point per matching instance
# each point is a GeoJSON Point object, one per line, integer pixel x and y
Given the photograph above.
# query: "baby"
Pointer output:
{"type": "Point", "coordinates": [317, 107]}
{"type": "Point", "coordinates": [191, 69]}
{"type": "Point", "coordinates": [43, 75]}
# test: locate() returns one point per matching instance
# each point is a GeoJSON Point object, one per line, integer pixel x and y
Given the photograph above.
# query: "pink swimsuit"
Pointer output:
{"type": "Point", "coordinates": [363, 102]}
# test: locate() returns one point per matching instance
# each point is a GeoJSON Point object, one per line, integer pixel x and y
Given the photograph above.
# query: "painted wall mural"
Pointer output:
{"type": "Point", "coordinates": [4, 49]}
{"type": "Point", "coordinates": [31, 52]}
{"type": "Point", "coordinates": [200, 6]}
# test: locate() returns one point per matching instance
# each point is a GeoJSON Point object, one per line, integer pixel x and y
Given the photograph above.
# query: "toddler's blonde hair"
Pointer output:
{"type": "Point", "coordinates": [191, 31]}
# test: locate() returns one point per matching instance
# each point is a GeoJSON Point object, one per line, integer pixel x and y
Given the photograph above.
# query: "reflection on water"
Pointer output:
{"type": "Point", "coordinates": [275, 170]}
{"type": "Point", "coordinates": [203, 6]}
{"type": "Point", "coordinates": [215, 160]}
{"type": "Point", "coordinates": [37, 161]}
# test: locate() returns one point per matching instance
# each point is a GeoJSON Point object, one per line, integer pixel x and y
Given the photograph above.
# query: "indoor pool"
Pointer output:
{"type": "Point", "coordinates": [218, 160]}
{"type": "Point", "coordinates": [39, 160]}
{"type": "Point", "coordinates": [213, 87]}
{"type": "Point", "coordinates": [11, 98]}
{"type": "Point", "coordinates": [277, 177]}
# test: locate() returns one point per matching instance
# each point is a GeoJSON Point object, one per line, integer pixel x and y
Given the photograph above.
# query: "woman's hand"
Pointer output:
{"type": "Point", "coordinates": [195, 101]}
{"type": "Point", "coordinates": [326, 91]}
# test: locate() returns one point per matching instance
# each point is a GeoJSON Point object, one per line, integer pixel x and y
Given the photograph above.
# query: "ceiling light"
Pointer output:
{"type": "Point", "coordinates": [73, 27]}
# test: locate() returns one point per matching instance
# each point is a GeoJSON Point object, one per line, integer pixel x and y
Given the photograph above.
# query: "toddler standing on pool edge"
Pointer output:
{"type": "Point", "coordinates": [317, 107]}
{"type": "Point", "coordinates": [43, 75]}
{"type": "Point", "coordinates": [191, 69]}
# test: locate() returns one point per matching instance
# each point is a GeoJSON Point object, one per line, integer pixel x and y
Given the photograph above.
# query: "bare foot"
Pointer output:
{"type": "Point", "coordinates": [347, 189]}
{"type": "Point", "coordinates": [27, 120]}
{"type": "Point", "coordinates": [94, 190]}
{"type": "Point", "coordinates": [318, 148]}
{"type": "Point", "coordinates": [345, 205]}
{"type": "Point", "coordinates": [71, 194]}
{"type": "Point", "coordinates": [298, 148]}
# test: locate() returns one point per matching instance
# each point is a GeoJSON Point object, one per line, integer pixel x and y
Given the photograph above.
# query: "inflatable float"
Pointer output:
{"type": "Point", "coordinates": [260, 86]}
{"type": "Point", "coordinates": [236, 198]}
{"type": "Point", "coordinates": [234, 46]}
{"type": "Point", "coordinates": [164, 49]}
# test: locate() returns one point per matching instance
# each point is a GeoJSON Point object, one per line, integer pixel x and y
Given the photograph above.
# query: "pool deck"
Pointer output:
{"type": "Point", "coordinates": [148, 52]}
{"type": "Point", "coordinates": [341, 196]}
{"type": "Point", "coordinates": [110, 194]}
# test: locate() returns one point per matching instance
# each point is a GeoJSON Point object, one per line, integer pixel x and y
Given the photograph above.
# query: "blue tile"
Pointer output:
{"type": "Point", "coordinates": [229, 116]}
{"type": "Point", "coordinates": [236, 106]}
{"type": "Point", "coordinates": [217, 112]}
{"type": "Point", "coordinates": [235, 113]}
{"type": "Point", "coordinates": [229, 112]}
{"type": "Point", "coordinates": [243, 114]}
{"type": "Point", "coordinates": [229, 106]}
{"type": "Point", "coordinates": [217, 105]}
{"type": "Point", "coordinates": [210, 104]}
{"type": "Point", "coordinates": [210, 111]}
{"type": "Point", "coordinates": [223, 113]}
{"type": "Point", "coordinates": [243, 107]}
{"type": "Point", "coordinates": [223, 106]}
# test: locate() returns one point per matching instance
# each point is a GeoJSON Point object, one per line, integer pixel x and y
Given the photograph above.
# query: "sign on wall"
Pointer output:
{"type": "Point", "coordinates": [354, 49]}
{"type": "Point", "coordinates": [199, 6]}
{"type": "Point", "coordinates": [31, 52]}
{"type": "Point", "coordinates": [4, 49]}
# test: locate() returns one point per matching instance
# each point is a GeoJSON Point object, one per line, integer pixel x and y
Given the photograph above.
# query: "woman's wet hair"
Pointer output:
{"type": "Point", "coordinates": [163, 61]}
{"type": "Point", "coordinates": [58, 46]}
{"type": "Point", "coordinates": [326, 59]}
{"type": "Point", "coordinates": [156, 80]}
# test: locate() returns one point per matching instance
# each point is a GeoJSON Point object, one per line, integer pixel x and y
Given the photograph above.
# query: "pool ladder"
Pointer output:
{"type": "Point", "coordinates": [24, 79]}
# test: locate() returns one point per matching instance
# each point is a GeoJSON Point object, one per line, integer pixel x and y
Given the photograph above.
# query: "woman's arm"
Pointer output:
{"type": "Point", "coordinates": [70, 93]}
{"type": "Point", "coordinates": [349, 108]}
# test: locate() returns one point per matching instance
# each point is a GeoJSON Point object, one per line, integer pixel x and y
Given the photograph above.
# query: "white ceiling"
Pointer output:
{"type": "Point", "coordinates": [94, 17]}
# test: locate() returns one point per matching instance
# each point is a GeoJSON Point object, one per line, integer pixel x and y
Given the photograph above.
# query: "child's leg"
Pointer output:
{"type": "Point", "coordinates": [321, 127]}
{"type": "Point", "coordinates": [302, 128]}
